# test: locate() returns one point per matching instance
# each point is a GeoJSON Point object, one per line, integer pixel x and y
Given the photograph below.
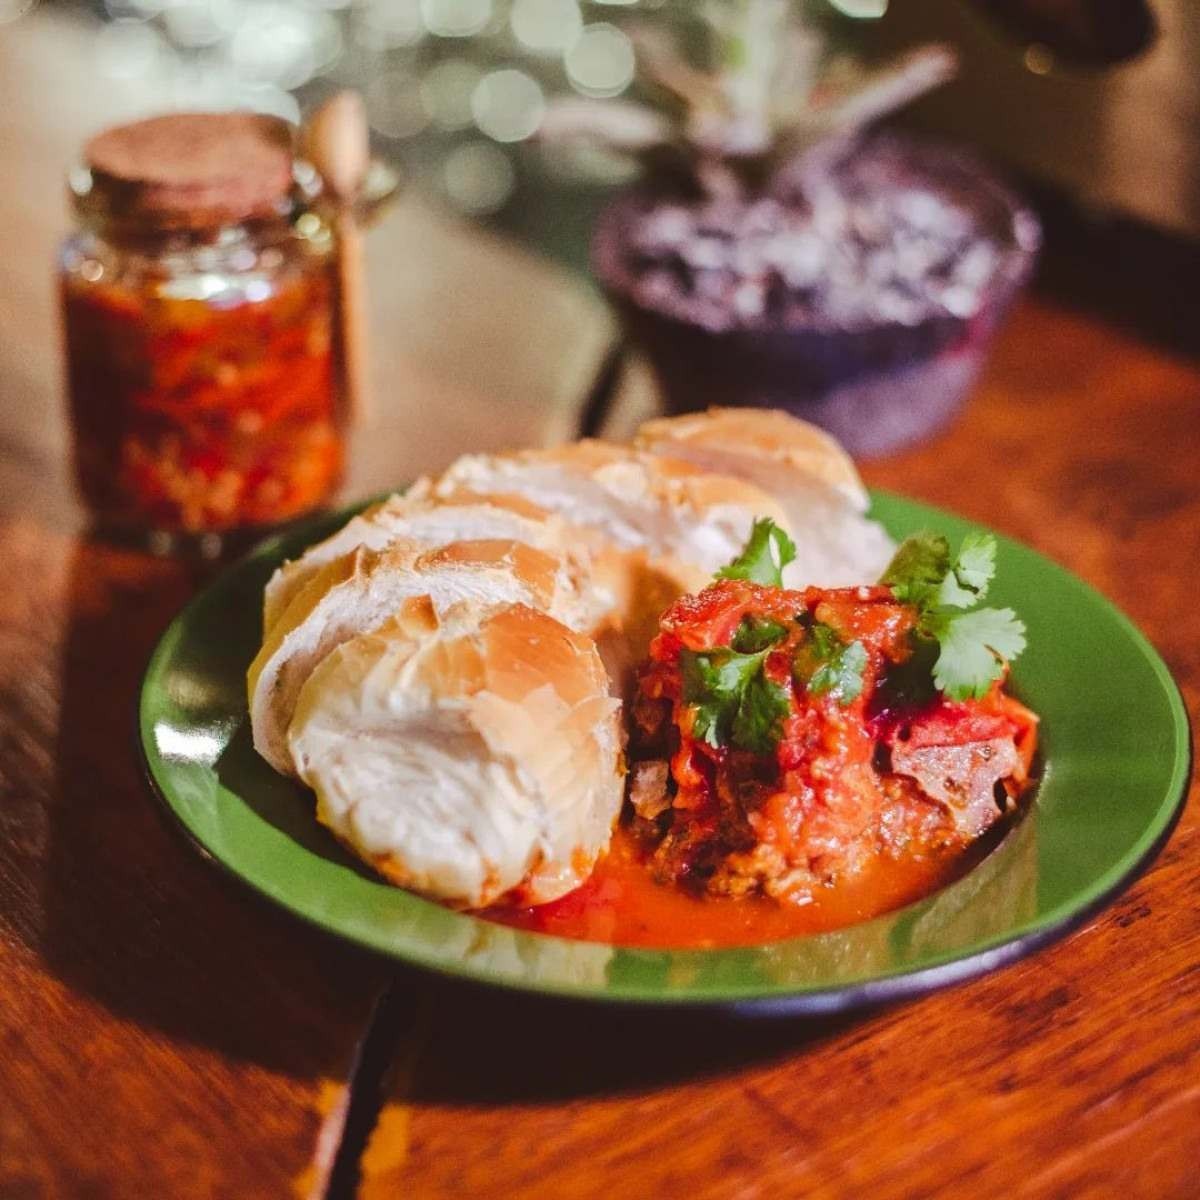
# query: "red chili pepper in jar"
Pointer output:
{"type": "Point", "coordinates": [204, 389]}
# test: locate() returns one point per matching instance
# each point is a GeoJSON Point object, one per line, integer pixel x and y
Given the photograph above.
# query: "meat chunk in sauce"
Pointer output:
{"type": "Point", "coordinates": [850, 774]}
{"type": "Point", "coordinates": [967, 779]}
{"type": "Point", "coordinates": [648, 793]}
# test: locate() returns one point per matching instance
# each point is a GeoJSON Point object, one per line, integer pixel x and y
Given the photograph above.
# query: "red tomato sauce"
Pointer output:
{"type": "Point", "coordinates": [815, 831]}
{"type": "Point", "coordinates": [622, 904]}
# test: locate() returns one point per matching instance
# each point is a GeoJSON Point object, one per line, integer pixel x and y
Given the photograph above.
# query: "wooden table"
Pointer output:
{"type": "Point", "coordinates": [164, 1034]}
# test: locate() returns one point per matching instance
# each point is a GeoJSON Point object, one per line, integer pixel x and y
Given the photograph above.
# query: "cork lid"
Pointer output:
{"type": "Point", "coordinates": [194, 170]}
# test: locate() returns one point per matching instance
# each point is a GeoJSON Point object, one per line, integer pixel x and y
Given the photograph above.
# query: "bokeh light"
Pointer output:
{"type": "Point", "coordinates": [195, 23]}
{"type": "Point", "coordinates": [601, 61]}
{"type": "Point", "coordinates": [864, 10]}
{"type": "Point", "coordinates": [545, 26]}
{"type": "Point", "coordinates": [450, 83]}
{"type": "Point", "coordinates": [129, 49]}
{"type": "Point", "coordinates": [1038, 59]}
{"type": "Point", "coordinates": [387, 24]}
{"type": "Point", "coordinates": [394, 104]}
{"type": "Point", "coordinates": [456, 18]}
{"type": "Point", "coordinates": [275, 42]}
{"type": "Point", "coordinates": [446, 93]}
{"type": "Point", "coordinates": [508, 105]}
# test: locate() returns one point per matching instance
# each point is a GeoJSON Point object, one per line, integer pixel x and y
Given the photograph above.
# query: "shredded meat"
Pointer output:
{"type": "Point", "coordinates": [648, 788]}
{"type": "Point", "coordinates": [963, 778]}
{"type": "Point", "coordinates": [651, 726]}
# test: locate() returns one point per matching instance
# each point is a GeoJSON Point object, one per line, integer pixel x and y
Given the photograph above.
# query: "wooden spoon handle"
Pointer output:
{"type": "Point", "coordinates": [337, 142]}
{"type": "Point", "coordinates": [352, 316]}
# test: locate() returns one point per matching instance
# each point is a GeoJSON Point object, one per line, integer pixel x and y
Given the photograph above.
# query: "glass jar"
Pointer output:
{"type": "Point", "coordinates": [198, 301]}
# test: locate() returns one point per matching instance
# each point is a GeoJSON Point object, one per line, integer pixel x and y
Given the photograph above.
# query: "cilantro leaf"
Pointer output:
{"type": "Point", "coordinates": [825, 641]}
{"type": "Point", "coordinates": [918, 568]}
{"type": "Point", "coordinates": [713, 681]}
{"type": "Point", "coordinates": [767, 552]}
{"type": "Point", "coordinates": [757, 633]}
{"type": "Point", "coordinates": [972, 647]}
{"type": "Point", "coordinates": [756, 726]}
{"type": "Point", "coordinates": [970, 644]}
{"type": "Point", "coordinates": [827, 664]}
{"type": "Point", "coordinates": [735, 703]}
{"type": "Point", "coordinates": [842, 675]}
{"type": "Point", "coordinates": [966, 582]}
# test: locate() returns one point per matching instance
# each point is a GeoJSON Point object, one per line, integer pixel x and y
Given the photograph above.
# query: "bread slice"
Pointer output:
{"type": "Point", "coordinates": [359, 591]}
{"type": "Point", "coordinates": [619, 496]}
{"type": "Point", "coordinates": [803, 468]}
{"type": "Point", "coordinates": [415, 516]}
{"type": "Point", "coordinates": [776, 449]}
{"type": "Point", "coordinates": [470, 759]}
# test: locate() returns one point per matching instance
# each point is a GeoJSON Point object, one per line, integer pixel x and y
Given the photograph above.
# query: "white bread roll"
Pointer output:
{"type": "Point", "coordinates": [470, 759]}
{"type": "Point", "coordinates": [417, 517]}
{"type": "Point", "coordinates": [803, 468]}
{"type": "Point", "coordinates": [620, 497]}
{"type": "Point", "coordinates": [361, 590]}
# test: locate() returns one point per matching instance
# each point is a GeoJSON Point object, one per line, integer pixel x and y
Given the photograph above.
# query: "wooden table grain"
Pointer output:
{"type": "Point", "coordinates": [164, 1034]}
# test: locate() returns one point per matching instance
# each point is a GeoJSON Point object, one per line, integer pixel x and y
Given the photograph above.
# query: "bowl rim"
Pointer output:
{"type": "Point", "coordinates": [1020, 235]}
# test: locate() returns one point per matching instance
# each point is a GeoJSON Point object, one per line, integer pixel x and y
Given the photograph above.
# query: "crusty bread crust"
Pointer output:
{"type": "Point", "coordinates": [418, 517]}
{"type": "Point", "coordinates": [758, 433]}
{"type": "Point", "coordinates": [510, 686]}
{"type": "Point", "coordinates": [803, 468]}
{"type": "Point", "coordinates": [359, 591]}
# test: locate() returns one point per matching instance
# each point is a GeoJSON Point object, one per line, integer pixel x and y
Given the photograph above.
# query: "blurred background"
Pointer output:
{"type": "Point", "coordinates": [456, 89]}
{"type": "Point", "coordinates": [457, 92]}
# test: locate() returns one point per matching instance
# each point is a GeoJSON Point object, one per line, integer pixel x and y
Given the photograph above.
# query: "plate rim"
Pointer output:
{"type": "Point", "coordinates": [784, 999]}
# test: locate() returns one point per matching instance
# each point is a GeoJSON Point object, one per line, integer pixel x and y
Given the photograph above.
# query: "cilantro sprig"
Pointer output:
{"type": "Point", "coordinates": [973, 643]}
{"type": "Point", "coordinates": [735, 703]}
{"type": "Point", "coordinates": [827, 664]}
{"type": "Point", "coordinates": [757, 633]}
{"type": "Point", "coordinates": [767, 552]}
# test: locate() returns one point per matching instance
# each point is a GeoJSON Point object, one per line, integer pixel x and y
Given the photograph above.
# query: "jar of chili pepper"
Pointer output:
{"type": "Point", "coordinates": [198, 299]}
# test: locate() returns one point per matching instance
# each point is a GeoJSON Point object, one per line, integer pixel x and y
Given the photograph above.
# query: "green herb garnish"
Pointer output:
{"type": "Point", "coordinates": [918, 569]}
{"type": "Point", "coordinates": [767, 552]}
{"type": "Point", "coordinates": [826, 663]}
{"type": "Point", "coordinates": [971, 644]}
{"type": "Point", "coordinates": [757, 725]}
{"type": "Point", "coordinates": [842, 675]}
{"type": "Point", "coordinates": [757, 633]}
{"type": "Point", "coordinates": [735, 703]}
{"type": "Point", "coordinates": [971, 572]}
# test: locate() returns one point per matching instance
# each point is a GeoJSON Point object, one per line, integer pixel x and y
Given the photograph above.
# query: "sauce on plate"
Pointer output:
{"type": "Point", "coordinates": [622, 904]}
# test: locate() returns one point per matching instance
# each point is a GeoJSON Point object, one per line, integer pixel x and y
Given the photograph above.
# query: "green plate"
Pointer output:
{"type": "Point", "coordinates": [1117, 759]}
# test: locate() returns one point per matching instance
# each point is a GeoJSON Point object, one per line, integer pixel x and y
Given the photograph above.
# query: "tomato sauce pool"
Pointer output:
{"type": "Point", "coordinates": [623, 905]}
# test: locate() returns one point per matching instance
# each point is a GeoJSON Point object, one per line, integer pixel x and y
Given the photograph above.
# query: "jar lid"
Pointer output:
{"type": "Point", "coordinates": [194, 170]}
